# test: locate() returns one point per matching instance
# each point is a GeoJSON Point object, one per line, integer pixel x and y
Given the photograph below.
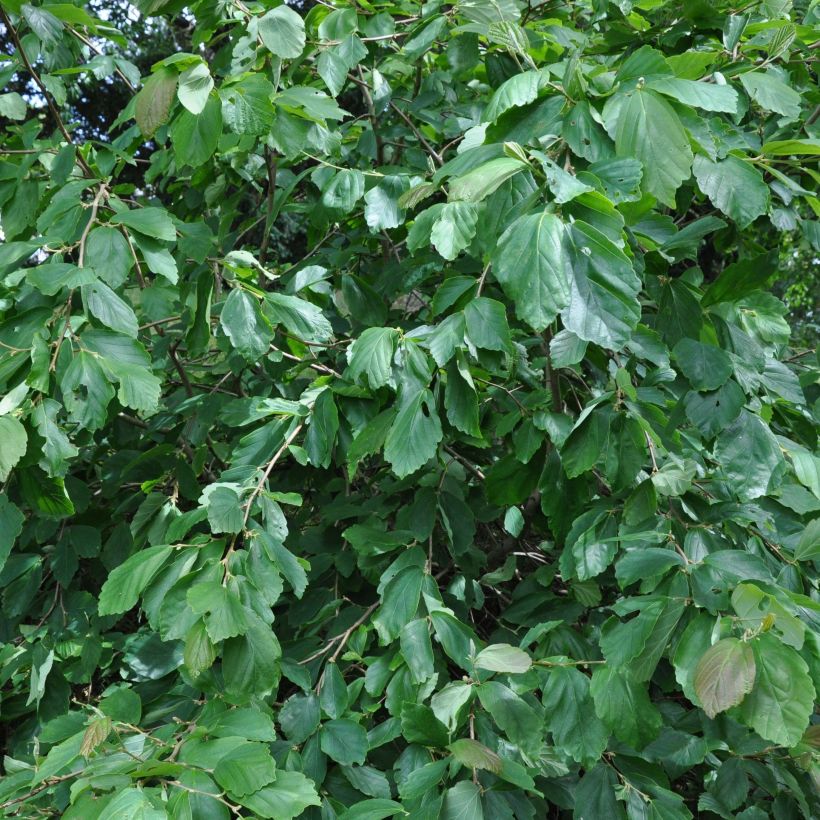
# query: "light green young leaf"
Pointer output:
{"type": "Point", "coordinates": [502, 657]}
{"type": "Point", "coordinates": [195, 84]}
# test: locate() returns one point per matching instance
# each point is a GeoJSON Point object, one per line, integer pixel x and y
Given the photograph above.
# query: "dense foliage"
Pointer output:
{"type": "Point", "coordinates": [492, 491]}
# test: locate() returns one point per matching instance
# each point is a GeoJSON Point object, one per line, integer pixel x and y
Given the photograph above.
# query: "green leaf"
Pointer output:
{"type": "Point", "coordinates": [419, 724]}
{"type": "Point", "coordinates": [344, 741]}
{"type": "Point", "coordinates": [650, 130]}
{"type": "Point", "coordinates": [126, 582]}
{"type": "Point", "coordinates": [154, 100]}
{"type": "Point", "coordinates": [101, 302]}
{"type": "Point", "coordinates": [344, 190]}
{"type": "Point", "coordinates": [645, 563]}
{"type": "Point", "coordinates": [108, 254]}
{"type": "Point", "coordinates": [575, 729]}
{"type": "Point", "coordinates": [321, 434]}
{"type": "Point", "coordinates": [245, 770]}
{"type": "Point", "coordinates": [300, 317]}
{"type": "Point", "coordinates": [51, 279]}
{"type": "Point", "coordinates": [414, 436]}
{"type": "Point", "coordinates": [707, 367]}
{"type": "Point", "coordinates": [480, 182]}
{"type": "Point", "coordinates": [771, 94]}
{"type": "Point", "coordinates": [460, 396]}
{"type": "Point", "coordinates": [462, 802]}
{"type": "Point", "coordinates": [454, 228]}
{"type": "Point", "coordinates": [518, 90]}
{"type": "Point", "coordinates": [13, 106]}
{"type": "Point", "coordinates": [517, 719]}
{"type": "Point", "coordinates": [371, 355]}
{"type": "Point", "coordinates": [417, 650]}
{"type": "Point", "coordinates": [782, 700]}
{"type": "Point", "coordinates": [797, 147]}
{"type": "Point", "coordinates": [299, 717]}
{"type": "Point", "coordinates": [242, 320]}
{"type": "Point", "coordinates": [86, 391]}
{"type": "Point", "coordinates": [248, 108]}
{"type": "Point", "coordinates": [287, 797]}
{"type": "Point", "coordinates": [225, 616]}
{"type": "Point", "coordinates": [200, 653]}
{"type": "Point", "coordinates": [375, 809]}
{"type": "Point", "coordinates": [595, 795]}
{"type": "Point", "coordinates": [11, 525]}
{"type": "Point", "coordinates": [714, 411]}
{"type": "Point", "coordinates": [400, 601]}
{"type": "Point", "coordinates": [734, 186]}
{"type": "Point", "coordinates": [382, 210]}
{"type": "Point", "coordinates": [13, 444]}
{"type": "Point", "coordinates": [139, 388]}
{"type": "Point", "coordinates": [150, 221]}
{"type": "Point", "coordinates": [531, 264]}
{"type": "Point", "coordinates": [224, 510]}
{"type": "Point", "coordinates": [250, 662]}
{"type": "Point", "coordinates": [131, 804]}
{"type": "Point", "coordinates": [196, 136]}
{"type": "Point", "coordinates": [603, 306]}
{"type": "Point", "coordinates": [750, 456]}
{"type": "Point", "coordinates": [486, 324]}
{"type": "Point", "coordinates": [709, 96]}
{"type": "Point", "coordinates": [808, 547]}
{"type": "Point", "coordinates": [502, 657]}
{"type": "Point", "coordinates": [283, 32]}
{"type": "Point", "coordinates": [624, 706]}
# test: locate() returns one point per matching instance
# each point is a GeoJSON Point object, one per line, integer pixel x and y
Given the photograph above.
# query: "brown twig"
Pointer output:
{"type": "Point", "coordinates": [421, 138]}
{"type": "Point", "coordinates": [43, 90]}
{"type": "Point", "coordinates": [271, 464]}
{"type": "Point", "coordinates": [341, 638]}
{"type": "Point", "coordinates": [272, 163]}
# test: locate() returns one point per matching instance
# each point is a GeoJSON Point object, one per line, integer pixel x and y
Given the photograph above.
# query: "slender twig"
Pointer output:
{"type": "Point", "coordinates": [99, 52]}
{"type": "Point", "coordinates": [371, 110]}
{"type": "Point", "coordinates": [272, 162]}
{"type": "Point", "coordinates": [186, 382]}
{"type": "Point", "coordinates": [271, 464]}
{"type": "Point", "coordinates": [48, 783]}
{"type": "Point", "coordinates": [421, 138]}
{"type": "Point", "coordinates": [468, 464]}
{"type": "Point", "coordinates": [551, 374]}
{"type": "Point", "coordinates": [483, 279]}
{"type": "Point", "coordinates": [43, 90]}
{"type": "Point", "coordinates": [341, 638]}
{"type": "Point", "coordinates": [651, 451]}
{"type": "Point", "coordinates": [95, 205]}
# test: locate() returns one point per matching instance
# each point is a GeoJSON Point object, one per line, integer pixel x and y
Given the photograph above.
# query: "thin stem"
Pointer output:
{"type": "Point", "coordinates": [43, 90]}
{"type": "Point", "coordinates": [421, 138]}
{"type": "Point", "coordinates": [272, 162]}
{"type": "Point", "coordinates": [271, 464]}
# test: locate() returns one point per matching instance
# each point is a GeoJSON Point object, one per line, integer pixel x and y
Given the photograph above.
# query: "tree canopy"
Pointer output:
{"type": "Point", "coordinates": [396, 415]}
